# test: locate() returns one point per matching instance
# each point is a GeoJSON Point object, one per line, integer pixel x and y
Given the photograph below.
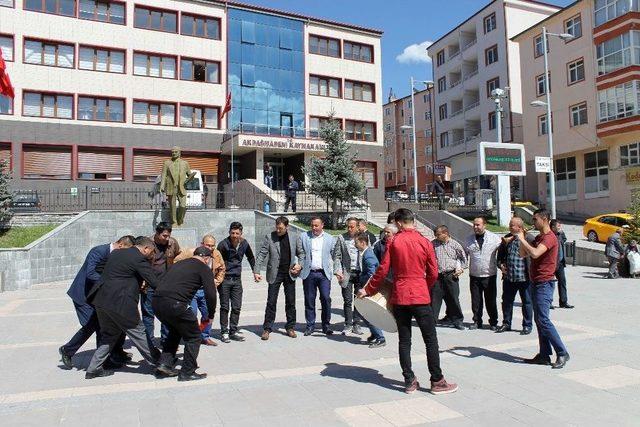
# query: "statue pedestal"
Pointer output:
{"type": "Point", "coordinates": [186, 237]}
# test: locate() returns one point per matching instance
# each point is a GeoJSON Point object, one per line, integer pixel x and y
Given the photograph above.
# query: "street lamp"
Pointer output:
{"type": "Point", "coordinates": [426, 83]}
{"type": "Point", "coordinates": [552, 179]}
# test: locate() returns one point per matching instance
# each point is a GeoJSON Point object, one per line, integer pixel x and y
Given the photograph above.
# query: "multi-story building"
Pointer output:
{"type": "Point", "coordinates": [398, 142]}
{"type": "Point", "coordinates": [595, 92]}
{"type": "Point", "coordinates": [468, 63]}
{"type": "Point", "coordinates": [104, 89]}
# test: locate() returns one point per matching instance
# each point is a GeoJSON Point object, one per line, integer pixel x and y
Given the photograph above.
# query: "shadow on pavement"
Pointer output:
{"type": "Point", "coordinates": [361, 375]}
{"type": "Point", "coordinates": [478, 351]}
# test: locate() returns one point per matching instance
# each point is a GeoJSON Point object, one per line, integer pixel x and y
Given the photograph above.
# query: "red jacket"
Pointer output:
{"type": "Point", "coordinates": [415, 269]}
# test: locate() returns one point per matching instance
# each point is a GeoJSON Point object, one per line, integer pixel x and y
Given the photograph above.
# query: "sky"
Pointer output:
{"type": "Point", "coordinates": [409, 26]}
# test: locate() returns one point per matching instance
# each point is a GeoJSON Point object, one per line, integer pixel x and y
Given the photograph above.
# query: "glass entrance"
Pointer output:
{"type": "Point", "coordinates": [277, 166]}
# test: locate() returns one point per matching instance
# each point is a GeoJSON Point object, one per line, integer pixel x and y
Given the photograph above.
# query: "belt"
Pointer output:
{"type": "Point", "coordinates": [446, 273]}
{"type": "Point", "coordinates": [317, 270]}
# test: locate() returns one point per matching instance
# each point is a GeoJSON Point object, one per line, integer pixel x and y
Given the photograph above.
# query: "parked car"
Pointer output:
{"type": "Point", "coordinates": [25, 203]}
{"type": "Point", "coordinates": [195, 192]}
{"type": "Point", "coordinates": [601, 227]}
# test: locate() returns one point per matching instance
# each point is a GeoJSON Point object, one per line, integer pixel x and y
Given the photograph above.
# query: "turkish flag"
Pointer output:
{"type": "Point", "coordinates": [5, 83]}
{"type": "Point", "coordinates": [227, 106]}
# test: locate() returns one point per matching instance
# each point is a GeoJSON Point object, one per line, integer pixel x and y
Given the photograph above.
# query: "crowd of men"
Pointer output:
{"type": "Point", "coordinates": [124, 286]}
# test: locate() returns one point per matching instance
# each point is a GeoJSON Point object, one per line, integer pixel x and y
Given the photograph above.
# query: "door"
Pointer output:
{"type": "Point", "coordinates": [286, 124]}
{"type": "Point", "coordinates": [277, 165]}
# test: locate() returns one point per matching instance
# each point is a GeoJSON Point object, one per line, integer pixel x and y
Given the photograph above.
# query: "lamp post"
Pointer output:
{"type": "Point", "coordinates": [552, 178]}
{"type": "Point", "coordinates": [503, 189]}
{"type": "Point", "coordinates": [426, 83]}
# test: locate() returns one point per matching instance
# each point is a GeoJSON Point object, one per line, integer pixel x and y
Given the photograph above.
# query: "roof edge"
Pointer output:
{"type": "Point", "coordinates": [569, 6]}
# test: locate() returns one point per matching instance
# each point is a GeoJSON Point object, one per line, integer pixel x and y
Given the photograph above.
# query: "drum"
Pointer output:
{"type": "Point", "coordinates": [377, 311]}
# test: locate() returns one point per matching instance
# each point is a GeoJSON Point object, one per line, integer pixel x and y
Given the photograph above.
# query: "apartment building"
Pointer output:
{"type": "Point", "coordinates": [469, 62]}
{"type": "Point", "coordinates": [398, 142]}
{"type": "Point", "coordinates": [104, 89]}
{"type": "Point", "coordinates": [595, 88]}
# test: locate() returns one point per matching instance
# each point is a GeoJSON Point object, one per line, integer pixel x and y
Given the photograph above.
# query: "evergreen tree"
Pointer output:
{"type": "Point", "coordinates": [633, 232]}
{"type": "Point", "coordinates": [5, 192]}
{"type": "Point", "coordinates": [334, 177]}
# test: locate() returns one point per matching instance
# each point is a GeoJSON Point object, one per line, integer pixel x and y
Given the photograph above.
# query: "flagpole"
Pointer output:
{"type": "Point", "coordinates": [233, 189]}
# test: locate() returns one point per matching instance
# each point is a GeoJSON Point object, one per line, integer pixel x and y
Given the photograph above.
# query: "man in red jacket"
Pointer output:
{"type": "Point", "coordinates": [413, 261]}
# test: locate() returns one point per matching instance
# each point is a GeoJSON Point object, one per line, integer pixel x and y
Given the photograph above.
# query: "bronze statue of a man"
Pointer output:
{"type": "Point", "coordinates": [175, 173]}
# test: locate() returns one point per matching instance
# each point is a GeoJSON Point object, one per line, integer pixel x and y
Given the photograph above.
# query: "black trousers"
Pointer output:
{"type": "Point", "coordinates": [562, 285]}
{"type": "Point", "coordinates": [484, 288]}
{"type": "Point", "coordinates": [183, 325]}
{"type": "Point", "coordinates": [292, 200]}
{"type": "Point", "coordinates": [351, 317]}
{"type": "Point", "coordinates": [289, 301]}
{"type": "Point", "coordinates": [447, 287]}
{"type": "Point", "coordinates": [230, 291]}
{"type": "Point", "coordinates": [88, 326]}
{"type": "Point", "coordinates": [427, 324]}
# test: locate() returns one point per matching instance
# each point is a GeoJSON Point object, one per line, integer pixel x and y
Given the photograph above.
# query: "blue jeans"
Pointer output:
{"type": "Point", "coordinates": [547, 333]}
{"type": "Point", "coordinates": [317, 281]}
{"type": "Point", "coordinates": [376, 332]}
{"type": "Point", "coordinates": [509, 291]}
{"type": "Point", "coordinates": [200, 303]}
{"type": "Point", "coordinates": [148, 318]}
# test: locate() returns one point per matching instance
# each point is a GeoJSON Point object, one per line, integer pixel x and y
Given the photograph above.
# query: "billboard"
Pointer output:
{"type": "Point", "coordinates": [501, 159]}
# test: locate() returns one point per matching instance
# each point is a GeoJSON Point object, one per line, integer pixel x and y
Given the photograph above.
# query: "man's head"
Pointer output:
{"type": "Point", "coordinates": [282, 225]}
{"type": "Point", "coordinates": [541, 219]}
{"type": "Point", "coordinates": [439, 179]}
{"type": "Point", "coordinates": [290, 178]}
{"type": "Point", "coordinates": [479, 225]}
{"type": "Point", "coordinates": [361, 240]}
{"type": "Point", "coordinates": [175, 153]}
{"type": "Point", "coordinates": [146, 246]}
{"type": "Point", "coordinates": [388, 231]}
{"type": "Point", "coordinates": [235, 231]}
{"type": "Point", "coordinates": [362, 224]}
{"type": "Point", "coordinates": [516, 225]}
{"type": "Point", "coordinates": [209, 242]}
{"type": "Point", "coordinates": [163, 233]}
{"type": "Point", "coordinates": [442, 233]}
{"type": "Point", "coordinates": [555, 225]}
{"type": "Point", "coordinates": [202, 254]}
{"type": "Point", "coordinates": [124, 242]}
{"type": "Point", "coordinates": [390, 218]}
{"type": "Point", "coordinates": [317, 224]}
{"type": "Point", "coordinates": [404, 218]}
{"type": "Point", "coordinates": [352, 226]}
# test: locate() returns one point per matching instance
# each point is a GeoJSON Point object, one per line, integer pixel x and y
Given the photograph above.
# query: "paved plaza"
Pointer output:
{"type": "Point", "coordinates": [320, 381]}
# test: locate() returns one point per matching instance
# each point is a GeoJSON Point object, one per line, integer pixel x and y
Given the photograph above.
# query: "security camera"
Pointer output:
{"type": "Point", "coordinates": [497, 93]}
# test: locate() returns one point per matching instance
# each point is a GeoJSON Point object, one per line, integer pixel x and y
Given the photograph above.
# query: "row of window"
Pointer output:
{"type": "Point", "coordinates": [337, 48]}
{"type": "Point", "coordinates": [578, 115]}
{"type": "Point", "coordinates": [490, 57]}
{"type": "Point", "coordinates": [333, 88]}
{"type": "Point", "coordinates": [572, 26]}
{"type": "Point", "coordinates": [596, 175]}
{"type": "Point", "coordinates": [489, 23]}
{"type": "Point", "coordinates": [575, 74]}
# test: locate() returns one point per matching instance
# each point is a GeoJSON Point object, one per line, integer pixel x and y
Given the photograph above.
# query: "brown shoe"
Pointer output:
{"type": "Point", "coordinates": [210, 342]}
{"type": "Point", "coordinates": [265, 335]}
{"type": "Point", "coordinates": [291, 333]}
{"type": "Point", "coordinates": [443, 387]}
{"type": "Point", "coordinates": [412, 386]}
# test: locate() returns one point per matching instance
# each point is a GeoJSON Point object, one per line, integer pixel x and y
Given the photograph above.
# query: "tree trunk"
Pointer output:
{"type": "Point", "coordinates": [334, 214]}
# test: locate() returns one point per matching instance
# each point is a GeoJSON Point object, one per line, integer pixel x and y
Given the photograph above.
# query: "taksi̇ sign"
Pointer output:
{"type": "Point", "coordinates": [543, 164]}
{"type": "Point", "coordinates": [280, 143]}
{"type": "Point", "coordinates": [632, 176]}
{"type": "Point", "coordinates": [501, 159]}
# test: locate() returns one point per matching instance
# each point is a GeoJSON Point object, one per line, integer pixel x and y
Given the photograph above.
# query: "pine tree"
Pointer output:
{"type": "Point", "coordinates": [633, 232]}
{"type": "Point", "coordinates": [5, 192]}
{"type": "Point", "coordinates": [334, 177]}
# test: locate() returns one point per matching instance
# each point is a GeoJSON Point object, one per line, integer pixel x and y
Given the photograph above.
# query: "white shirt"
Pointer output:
{"type": "Point", "coordinates": [317, 242]}
{"type": "Point", "coordinates": [353, 252]}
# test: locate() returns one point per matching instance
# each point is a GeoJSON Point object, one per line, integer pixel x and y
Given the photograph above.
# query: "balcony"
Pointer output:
{"type": "Point", "coordinates": [453, 55]}
{"type": "Point", "coordinates": [456, 113]}
{"type": "Point", "coordinates": [469, 44]}
{"type": "Point", "coordinates": [454, 84]}
{"type": "Point", "coordinates": [471, 106]}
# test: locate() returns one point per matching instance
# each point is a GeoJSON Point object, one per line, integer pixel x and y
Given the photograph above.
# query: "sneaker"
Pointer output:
{"type": "Point", "coordinates": [459, 326]}
{"type": "Point", "coordinates": [210, 342]}
{"type": "Point", "coordinates": [371, 339]}
{"type": "Point", "coordinates": [444, 321]}
{"type": "Point", "coordinates": [308, 332]}
{"type": "Point", "coordinates": [475, 326]}
{"type": "Point", "coordinates": [346, 329]}
{"type": "Point", "coordinates": [327, 331]}
{"type": "Point", "coordinates": [380, 342]}
{"type": "Point", "coordinates": [236, 337]}
{"type": "Point", "coordinates": [357, 330]}
{"type": "Point", "coordinates": [443, 387]}
{"type": "Point", "coordinates": [412, 386]}
{"type": "Point", "coordinates": [225, 338]}
{"type": "Point", "coordinates": [65, 358]}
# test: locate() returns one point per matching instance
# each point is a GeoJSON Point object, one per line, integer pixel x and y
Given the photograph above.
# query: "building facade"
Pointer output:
{"type": "Point", "coordinates": [104, 89]}
{"type": "Point", "coordinates": [468, 63]}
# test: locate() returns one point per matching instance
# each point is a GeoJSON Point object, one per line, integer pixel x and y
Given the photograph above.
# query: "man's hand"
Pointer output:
{"type": "Point", "coordinates": [340, 277]}
{"type": "Point", "coordinates": [520, 235]}
{"type": "Point", "coordinates": [295, 270]}
{"type": "Point", "coordinates": [257, 277]}
{"type": "Point", "coordinates": [361, 293]}
{"type": "Point", "coordinates": [508, 240]}
{"type": "Point", "coordinates": [143, 287]}
{"type": "Point", "coordinates": [503, 268]}
{"type": "Point", "coordinates": [458, 272]}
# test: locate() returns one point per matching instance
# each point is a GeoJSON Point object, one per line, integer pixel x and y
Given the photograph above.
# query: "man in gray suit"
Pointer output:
{"type": "Point", "coordinates": [320, 264]}
{"type": "Point", "coordinates": [283, 256]}
{"type": "Point", "coordinates": [614, 251]}
{"type": "Point", "coordinates": [350, 274]}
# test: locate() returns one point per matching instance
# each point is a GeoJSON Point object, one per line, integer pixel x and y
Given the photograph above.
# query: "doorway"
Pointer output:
{"type": "Point", "coordinates": [277, 165]}
{"type": "Point", "coordinates": [286, 124]}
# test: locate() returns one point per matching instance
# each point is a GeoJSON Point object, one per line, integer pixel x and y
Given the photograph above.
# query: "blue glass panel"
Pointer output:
{"type": "Point", "coordinates": [285, 80]}
{"type": "Point", "coordinates": [297, 61]}
{"type": "Point", "coordinates": [262, 121]}
{"type": "Point", "coordinates": [234, 74]}
{"type": "Point", "coordinates": [263, 77]}
{"type": "Point", "coordinates": [243, 15]}
{"type": "Point", "coordinates": [235, 52]}
{"type": "Point", "coordinates": [247, 97]}
{"type": "Point", "coordinates": [286, 39]}
{"type": "Point", "coordinates": [286, 59]}
{"type": "Point", "coordinates": [262, 56]}
{"type": "Point", "coordinates": [248, 32]}
{"type": "Point", "coordinates": [274, 101]}
{"type": "Point", "coordinates": [297, 80]}
{"type": "Point", "coordinates": [235, 30]}
{"type": "Point", "coordinates": [261, 99]}
{"type": "Point", "coordinates": [273, 37]}
{"type": "Point", "coordinates": [248, 75]}
{"type": "Point", "coordinates": [261, 34]}
{"type": "Point", "coordinates": [236, 95]}
{"type": "Point", "coordinates": [298, 41]}
{"type": "Point", "coordinates": [248, 54]}
{"type": "Point", "coordinates": [273, 57]}
{"type": "Point", "coordinates": [248, 116]}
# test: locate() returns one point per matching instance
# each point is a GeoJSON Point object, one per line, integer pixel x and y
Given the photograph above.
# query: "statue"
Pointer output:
{"type": "Point", "coordinates": [175, 174]}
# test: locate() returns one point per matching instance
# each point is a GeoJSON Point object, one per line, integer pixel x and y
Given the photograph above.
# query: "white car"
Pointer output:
{"type": "Point", "coordinates": [194, 187]}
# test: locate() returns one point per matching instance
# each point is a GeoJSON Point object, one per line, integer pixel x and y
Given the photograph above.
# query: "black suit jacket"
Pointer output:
{"type": "Point", "coordinates": [119, 288]}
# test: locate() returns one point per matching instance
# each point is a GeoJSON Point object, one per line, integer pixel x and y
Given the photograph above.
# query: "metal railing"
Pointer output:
{"type": "Point", "coordinates": [456, 113]}
{"type": "Point", "coordinates": [469, 44]}
{"type": "Point", "coordinates": [472, 106]}
{"type": "Point", "coordinates": [467, 76]}
{"type": "Point", "coordinates": [454, 84]}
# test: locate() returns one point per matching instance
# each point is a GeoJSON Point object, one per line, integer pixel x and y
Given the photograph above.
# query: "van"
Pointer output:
{"type": "Point", "coordinates": [194, 187]}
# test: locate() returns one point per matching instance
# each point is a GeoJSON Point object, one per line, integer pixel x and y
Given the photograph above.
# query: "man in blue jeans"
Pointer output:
{"type": "Point", "coordinates": [368, 264]}
{"type": "Point", "coordinates": [544, 258]}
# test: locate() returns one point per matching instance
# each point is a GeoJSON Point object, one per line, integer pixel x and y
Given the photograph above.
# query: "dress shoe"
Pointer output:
{"type": "Point", "coordinates": [539, 359]}
{"type": "Point", "coordinates": [225, 338]}
{"type": "Point", "coordinates": [265, 335]}
{"type": "Point", "coordinates": [327, 331]}
{"type": "Point", "coordinates": [503, 328]}
{"type": "Point", "coordinates": [291, 333]}
{"type": "Point", "coordinates": [97, 374]}
{"type": "Point", "coordinates": [112, 364]}
{"type": "Point", "coordinates": [552, 307]}
{"type": "Point", "coordinates": [493, 328]}
{"type": "Point", "coordinates": [525, 331]}
{"type": "Point", "coordinates": [209, 341]}
{"type": "Point", "coordinates": [560, 362]}
{"type": "Point", "coordinates": [380, 342]}
{"type": "Point", "coordinates": [444, 321]}
{"type": "Point", "coordinates": [308, 332]}
{"type": "Point", "coordinates": [475, 326]}
{"type": "Point", "coordinates": [236, 337]}
{"type": "Point", "coordinates": [191, 377]}
{"type": "Point", "coordinates": [123, 355]}
{"type": "Point", "coordinates": [65, 358]}
{"type": "Point", "coordinates": [371, 339]}
{"type": "Point", "coordinates": [566, 306]}
{"type": "Point", "coordinates": [459, 326]}
{"type": "Point", "coordinates": [357, 330]}
{"type": "Point", "coordinates": [412, 386]}
{"type": "Point", "coordinates": [165, 371]}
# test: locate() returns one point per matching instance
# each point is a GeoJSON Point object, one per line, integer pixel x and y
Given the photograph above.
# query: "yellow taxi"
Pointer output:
{"type": "Point", "coordinates": [601, 227]}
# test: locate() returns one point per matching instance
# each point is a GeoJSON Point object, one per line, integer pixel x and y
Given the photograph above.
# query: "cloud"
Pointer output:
{"type": "Point", "coordinates": [415, 54]}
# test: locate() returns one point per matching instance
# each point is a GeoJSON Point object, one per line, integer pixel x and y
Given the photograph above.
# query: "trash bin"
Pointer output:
{"type": "Point", "coordinates": [266, 206]}
{"type": "Point", "coordinates": [484, 199]}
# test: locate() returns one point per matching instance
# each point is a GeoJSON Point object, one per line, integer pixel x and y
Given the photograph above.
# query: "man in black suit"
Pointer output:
{"type": "Point", "coordinates": [116, 301]}
{"type": "Point", "coordinates": [84, 281]}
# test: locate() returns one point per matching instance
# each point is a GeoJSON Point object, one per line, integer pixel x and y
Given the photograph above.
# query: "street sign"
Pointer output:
{"type": "Point", "coordinates": [439, 169]}
{"type": "Point", "coordinates": [501, 159]}
{"type": "Point", "coordinates": [543, 164]}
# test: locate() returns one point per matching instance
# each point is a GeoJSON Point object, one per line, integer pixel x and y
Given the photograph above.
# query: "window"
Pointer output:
{"type": "Point", "coordinates": [618, 52]}
{"type": "Point", "coordinates": [576, 71]}
{"type": "Point", "coordinates": [390, 176]}
{"type": "Point", "coordinates": [358, 52]}
{"type": "Point", "coordinates": [618, 102]}
{"type": "Point", "coordinates": [579, 114]}
{"type": "Point", "coordinates": [101, 59]}
{"type": "Point", "coordinates": [100, 109]}
{"type": "Point", "coordinates": [324, 46]}
{"type": "Point", "coordinates": [193, 116]}
{"type": "Point", "coordinates": [387, 127]}
{"type": "Point", "coordinates": [573, 26]}
{"type": "Point", "coordinates": [367, 172]}
{"type": "Point", "coordinates": [103, 11]}
{"type": "Point", "coordinates": [155, 19]}
{"type": "Point", "coordinates": [426, 97]}
{"type": "Point", "coordinates": [565, 174]}
{"type": "Point", "coordinates": [200, 26]}
{"type": "Point", "coordinates": [7, 3]}
{"type": "Point", "coordinates": [359, 91]}
{"type": "Point", "coordinates": [147, 164]}
{"type": "Point", "coordinates": [490, 23]}
{"type": "Point", "coordinates": [543, 129]}
{"type": "Point", "coordinates": [493, 122]}
{"type": "Point", "coordinates": [387, 111]}
{"type": "Point", "coordinates": [491, 55]}
{"type": "Point", "coordinates": [492, 85]}
{"type": "Point", "coordinates": [6, 105]}
{"type": "Point", "coordinates": [324, 86]}
{"type": "Point", "coordinates": [444, 139]}
{"type": "Point", "coordinates": [606, 10]}
{"type": "Point", "coordinates": [360, 131]}
{"type": "Point", "coordinates": [316, 123]}
{"type": "Point", "coordinates": [56, 7]}
{"type": "Point", "coordinates": [199, 70]}
{"type": "Point", "coordinates": [630, 154]}
{"type": "Point", "coordinates": [427, 133]}
{"type": "Point", "coordinates": [6, 44]}
{"type": "Point", "coordinates": [100, 163]}
{"type": "Point", "coordinates": [154, 113]}
{"type": "Point", "coordinates": [440, 57]}
{"type": "Point", "coordinates": [596, 172]}
{"type": "Point", "coordinates": [248, 75]}
{"type": "Point", "coordinates": [50, 162]}
{"type": "Point", "coordinates": [442, 110]}
{"type": "Point", "coordinates": [442, 84]}
{"type": "Point", "coordinates": [540, 85]}
{"type": "Point", "coordinates": [54, 54]}
{"type": "Point", "coordinates": [154, 65]}
{"type": "Point", "coordinates": [36, 104]}
{"type": "Point", "coordinates": [248, 32]}
{"type": "Point", "coordinates": [427, 115]}
{"type": "Point", "coordinates": [537, 46]}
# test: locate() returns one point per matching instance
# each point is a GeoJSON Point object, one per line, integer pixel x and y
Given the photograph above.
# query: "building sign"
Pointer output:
{"type": "Point", "coordinates": [543, 164]}
{"type": "Point", "coordinates": [501, 159]}
{"type": "Point", "coordinates": [632, 176]}
{"type": "Point", "coordinates": [279, 143]}
{"type": "Point", "coordinates": [439, 169]}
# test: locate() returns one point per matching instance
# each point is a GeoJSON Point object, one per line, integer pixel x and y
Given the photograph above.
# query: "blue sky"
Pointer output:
{"type": "Point", "coordinates": [405, 23]}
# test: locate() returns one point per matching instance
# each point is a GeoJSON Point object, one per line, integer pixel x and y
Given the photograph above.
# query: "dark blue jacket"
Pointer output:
{"type": "Point", "coordinates": [233, 257]}
{"type": "Point", "coordinates": [369, 265]}
{"type": "Point", "coordinates": [89, 273]}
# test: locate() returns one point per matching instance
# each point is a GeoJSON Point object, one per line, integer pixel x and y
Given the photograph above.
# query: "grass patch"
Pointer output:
{"type": "Point", "coordinates": [493, 226]}
{"type": "Point", "coordinates": [18, 237]}
{"type": "Point", "coordinates": [372, 228]}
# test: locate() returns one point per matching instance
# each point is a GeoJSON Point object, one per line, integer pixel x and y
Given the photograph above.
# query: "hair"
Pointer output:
{"type": "Point", "coordinates": [554, 222]}
{"type": "Point", "coordinates": [235, 225]}
{"type": "Point", "coordinates": [282, 220]}
{"type": "Point", "coordinates": [144, 242]}
{"type": "Point", "coordinates": [163, 226]}
{"type": "Point", "coordinates": [313, 218]}
{"type": "Point", "coordinates": [403, 215]}
{"type": "Point", "coordinates": [208, 236]}
{"type": "Point", "coordinates": [202, 251]}
{"type": "Point", "coordinates": [392, 227]}
{"type": "Point", "coordinates": [442, 229]}
{"type": "Point", "coordinates": [542, 213]}
{"type": "Point", "coordinates": [361, 237]}
{"type": "Point", "coordinates": [518, 220]}
{"type": "Point", "coordinates": [484, 219]}
{"type": "Point", "coordinates": [362, 221]}
{"type": "Point", "coordinates": [352, 218]}
{"type": "Point", "coordinates": [127, 240]}
{"type": "Point", "coordinates": [391, 218]}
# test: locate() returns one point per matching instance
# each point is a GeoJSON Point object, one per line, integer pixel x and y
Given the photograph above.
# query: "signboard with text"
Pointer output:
{"type": "Point", "coordinates": [632, 176]}
{"type": "Point", "coordinates": [501, 159]}
{"type": "Point", "coordinates": [279, 143]}
{"type": "Point", "coordinates": [543, 164]}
